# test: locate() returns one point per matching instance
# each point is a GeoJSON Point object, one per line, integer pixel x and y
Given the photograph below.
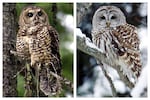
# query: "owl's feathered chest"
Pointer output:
{"type": "Point", "coordinates": [34, 42]}
{"type": "Point", "coordinates": [119, 39]}
{"type": "Point", "coordinates": [121, 46]}
{"type": "Point", "coordinates": [39, 46]}
{"type": "Point", "coordinates": [104, 40]}
{"type": "Point", "coordinates": [39, 39]}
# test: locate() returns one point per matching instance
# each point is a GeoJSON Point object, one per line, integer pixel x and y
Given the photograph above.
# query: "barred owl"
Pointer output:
{"type": "Point", "coordinates": [38, 43]}
{"type": "Point", "coordinates": [117, 39]}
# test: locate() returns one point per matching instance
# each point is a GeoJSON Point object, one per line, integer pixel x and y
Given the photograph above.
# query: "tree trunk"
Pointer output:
{"type": "Point", "coordinates": [9, 34]}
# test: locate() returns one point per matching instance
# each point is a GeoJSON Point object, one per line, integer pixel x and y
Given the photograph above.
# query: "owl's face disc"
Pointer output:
{"type": "Point", "coordinates": [33, 15]}
{"type": "Point", "coordinates": [108, 17]}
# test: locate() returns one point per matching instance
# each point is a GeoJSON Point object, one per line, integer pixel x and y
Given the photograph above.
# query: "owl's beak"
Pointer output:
{"type": "Point", "coordinates": [108, 24]}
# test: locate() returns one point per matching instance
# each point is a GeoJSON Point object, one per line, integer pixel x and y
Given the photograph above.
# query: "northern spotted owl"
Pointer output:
{"type": "Point", "coordinates": [38, 43]}
{"type": "Point", "coordinates": [117, 39]}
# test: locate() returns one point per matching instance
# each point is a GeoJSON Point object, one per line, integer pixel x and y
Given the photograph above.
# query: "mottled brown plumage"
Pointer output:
{"type": "Point", "coordinates": [38, 42]}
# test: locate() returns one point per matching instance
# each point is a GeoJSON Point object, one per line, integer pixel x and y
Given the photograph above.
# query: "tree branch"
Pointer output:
{"type": "Point", "coordinates": [114, 93]}
{"type": "Point", "coordinates": [85, 45]}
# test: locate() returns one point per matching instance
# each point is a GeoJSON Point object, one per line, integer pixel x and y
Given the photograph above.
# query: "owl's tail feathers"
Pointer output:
{"type": "Point", "coordinates": [125, 79]}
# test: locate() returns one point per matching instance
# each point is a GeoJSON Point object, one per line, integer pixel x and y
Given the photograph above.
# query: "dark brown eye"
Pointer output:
{"type": "Point", "coordinates": [40, 13]}
{"type": "Point", "coordinates": [102, 17]}
{"type": "Point", "coordinates": [30, 14]}
{"type": "Point", "coordinates": [113, 17]}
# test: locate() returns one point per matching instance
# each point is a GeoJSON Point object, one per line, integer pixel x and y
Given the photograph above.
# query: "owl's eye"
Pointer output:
{"type": "Point", "coordinates": [40, 13]}
{"type": "Point", "coordinates": [30, 14]}
{"type": "Point", "coordinates": [102, 17]}
{"type": "Point", "coordinates": [113, 17]}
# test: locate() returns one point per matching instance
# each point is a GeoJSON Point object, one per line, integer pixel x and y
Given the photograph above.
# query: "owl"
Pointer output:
{"type": "Point", "coordinates": [118, 40]}
{"type": "Point", "coordinates": [37, 42]}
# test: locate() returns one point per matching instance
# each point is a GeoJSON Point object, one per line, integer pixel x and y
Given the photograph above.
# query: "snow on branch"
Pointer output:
{"type": "Point", "coordinates": [85, 45]}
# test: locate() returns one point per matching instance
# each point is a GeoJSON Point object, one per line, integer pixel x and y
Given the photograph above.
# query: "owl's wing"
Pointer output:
{"type": "Point", "coordinates": [127, 36]}
{"type": "Point", "coordinates": [50, 84]}
{"type": "Point", "coordinates": [55, 47]}
{"type": "Point", "coordinates": [127, 42]}
{"type": "Point", "coordinates": [22, 46]}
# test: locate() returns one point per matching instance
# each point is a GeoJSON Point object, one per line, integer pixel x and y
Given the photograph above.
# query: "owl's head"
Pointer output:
{"type": "Point", "coordinates": [108, 17]}
{"type": "Point", "coordinates": [33, 15]}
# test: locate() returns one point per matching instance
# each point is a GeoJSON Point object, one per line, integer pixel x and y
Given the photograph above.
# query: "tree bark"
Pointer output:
{"type": "Point", "coordinates": [9, 34]}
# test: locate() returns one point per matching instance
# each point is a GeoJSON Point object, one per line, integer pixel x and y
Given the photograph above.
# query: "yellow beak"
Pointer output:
{"type": "Point", "coordinates": [108, 24]}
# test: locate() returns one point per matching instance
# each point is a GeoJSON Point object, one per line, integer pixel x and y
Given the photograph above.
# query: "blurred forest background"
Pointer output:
{"type": "Point", "coordinates": [61, 18]}
{"type": "Point", "coordinates": [90, 80]}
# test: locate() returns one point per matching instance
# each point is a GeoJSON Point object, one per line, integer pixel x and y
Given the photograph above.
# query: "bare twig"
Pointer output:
{"type": "Point", "coordinates": [13, 52]}
{"type": "Point", "coordinates": [19, 72]}
{"type": "Point", "coordinates": [28, 82]}
{"type": "Point", "coordinates": [63, 80]}
{"type": "Point", "coordinates": [114, 93]}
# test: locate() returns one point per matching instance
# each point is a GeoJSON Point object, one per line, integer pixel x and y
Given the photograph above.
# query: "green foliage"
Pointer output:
{"type": "Point", "coordinates": [67, 8]}
{"type": "Point", "coordinates": [20, 85]}
{"type": "Point", "coordinates": [64, 36]}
